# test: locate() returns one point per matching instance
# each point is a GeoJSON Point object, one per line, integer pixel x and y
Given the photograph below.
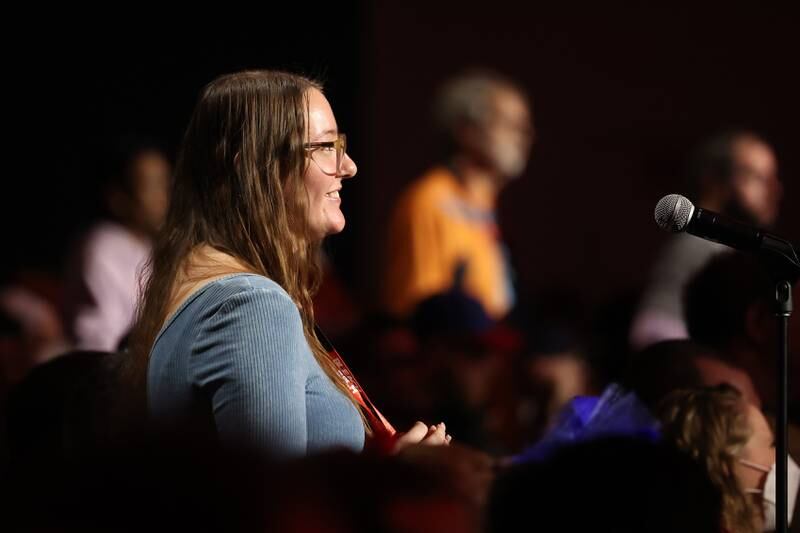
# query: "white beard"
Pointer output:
{"type": "Point", "coordinates": [508, 159]}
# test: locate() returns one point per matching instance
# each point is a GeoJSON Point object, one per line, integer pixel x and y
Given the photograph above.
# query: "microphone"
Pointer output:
{"type": "Point", "coordinates": [676, 213]}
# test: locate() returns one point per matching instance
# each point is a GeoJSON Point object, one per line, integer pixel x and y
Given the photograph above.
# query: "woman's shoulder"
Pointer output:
{"type": "Point", "coordinates": [240, 298]}
{"type": "Point", "coordinates": [248, 290]}
{"type": "Point", "coordinates": [247, 282]}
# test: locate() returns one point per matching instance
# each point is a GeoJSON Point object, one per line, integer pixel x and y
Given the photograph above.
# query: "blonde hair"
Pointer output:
{"type": "Point", "coordinates": [710, 424]}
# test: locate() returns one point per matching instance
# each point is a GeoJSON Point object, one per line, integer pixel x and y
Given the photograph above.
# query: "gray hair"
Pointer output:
{"type": "Point", "coordinates": [467, 99]}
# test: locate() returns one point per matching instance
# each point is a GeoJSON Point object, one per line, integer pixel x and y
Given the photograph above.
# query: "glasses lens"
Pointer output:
{"type": "Point", "coordinates": [341, 148]}
{"type": "Point", "coordinates": [329, 158]}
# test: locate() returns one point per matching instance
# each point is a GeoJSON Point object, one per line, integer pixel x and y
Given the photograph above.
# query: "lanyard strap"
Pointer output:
{"type": "Point", "coordinates": [383, 429]}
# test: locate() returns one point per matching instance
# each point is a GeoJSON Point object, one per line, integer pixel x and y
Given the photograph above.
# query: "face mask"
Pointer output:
{"type": "Point", "coordinates": [768, 493]}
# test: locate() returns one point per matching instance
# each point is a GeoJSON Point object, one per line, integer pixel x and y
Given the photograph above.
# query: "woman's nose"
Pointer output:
{"type": "Point", "coordinates": [349, 168]}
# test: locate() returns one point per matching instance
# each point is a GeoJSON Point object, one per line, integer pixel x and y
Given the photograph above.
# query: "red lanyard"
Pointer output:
{"type": "Point", "coordinates": [384, 433]}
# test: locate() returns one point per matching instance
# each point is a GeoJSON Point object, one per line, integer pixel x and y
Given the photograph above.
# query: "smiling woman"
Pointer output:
{"type": "Point", "coordinates": [225, 341]}
{"type": "Point", "coordinates": [331, 164]}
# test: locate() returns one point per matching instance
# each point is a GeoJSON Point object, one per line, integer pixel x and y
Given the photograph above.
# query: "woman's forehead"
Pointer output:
{"type": "Point", "coordinates": [321, 121]}
{"type": "Point", "coordinates": [758, 423]}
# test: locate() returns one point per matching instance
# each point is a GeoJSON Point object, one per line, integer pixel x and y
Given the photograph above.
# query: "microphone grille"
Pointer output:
{"type": "Point", "coordinates": [673, 213]}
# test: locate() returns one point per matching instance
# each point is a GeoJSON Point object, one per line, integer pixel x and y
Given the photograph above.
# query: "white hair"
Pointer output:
{"type": "Point", "coordinates": [467, 99]}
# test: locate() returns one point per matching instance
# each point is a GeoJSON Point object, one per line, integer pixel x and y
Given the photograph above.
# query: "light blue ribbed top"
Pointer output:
{"type": "Point", "coordinates": [234, 355]}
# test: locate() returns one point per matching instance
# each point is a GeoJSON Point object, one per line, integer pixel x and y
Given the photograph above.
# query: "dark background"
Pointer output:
{"type": "Point", "coordinates": [620, 96]}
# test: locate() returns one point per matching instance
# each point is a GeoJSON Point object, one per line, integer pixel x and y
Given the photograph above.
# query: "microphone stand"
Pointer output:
{"type": "Point", "coordinates": [785, 266]}
{"type": "Point", "coordinates": [783, 310]}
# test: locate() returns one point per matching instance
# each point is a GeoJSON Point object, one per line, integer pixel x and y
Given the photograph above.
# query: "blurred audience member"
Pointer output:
{"type": "Point", "coordinates": [62, 409]}
{"type": "Point", "coordinates": [609, 485]}
{"type": "Point", "coordinates": [198, 485]}
{"type": "Point", "coordinates": [735, 173]}
{"type": "Point", "coordinates": [552, 371]}
{"type": "Point", "coordinates": [190, 485]}
{"type": "Point", "coordinates": [683, 364]}
{"type": "Point", "coordinates": [31, 332]}
{"type": "Point", "coordinates": [469, 352]}
{"type": "Point", "coordinates": [445, 221]}
{"type": "Point", "coordinates": [608, 347]}
{"type": "Point", "coordinates": [347, 492]}
{"type": "Point", "coordinates": [103, 282]}
{"type": "Point", "coordinates": [388, 354]}
{"type": "Point", "coordinates": [733, 442]}
{"type": "Point", "coordinates": [730, 308]}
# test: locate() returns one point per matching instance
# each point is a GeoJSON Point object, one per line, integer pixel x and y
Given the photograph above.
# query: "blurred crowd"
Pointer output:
{"type": "Point", "coordinates": [449, 339]}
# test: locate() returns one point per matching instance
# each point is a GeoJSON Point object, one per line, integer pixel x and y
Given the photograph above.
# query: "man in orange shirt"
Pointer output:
{"type": "Point", "coordinates": [444, 225]}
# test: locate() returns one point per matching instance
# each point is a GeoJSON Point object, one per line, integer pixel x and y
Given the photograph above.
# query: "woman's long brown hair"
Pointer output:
{"type": "Point", "coordinates": [239, 189]}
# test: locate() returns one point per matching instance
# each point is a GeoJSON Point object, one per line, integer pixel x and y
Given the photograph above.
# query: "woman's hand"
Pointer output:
{"type": "Point", "coordinates": [471, 471]}
{"type": "Point", "coordinates": [420, 433]}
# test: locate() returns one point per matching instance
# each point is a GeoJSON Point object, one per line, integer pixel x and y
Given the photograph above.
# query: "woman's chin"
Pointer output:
{"type": "Point", "coordinates": [332, 227]}
{"type": "Point", "coordinates": [335, 223]}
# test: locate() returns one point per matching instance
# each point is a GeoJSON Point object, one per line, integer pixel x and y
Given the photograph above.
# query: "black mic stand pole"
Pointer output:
{"type": "Point", "coordinates": [783, 310]}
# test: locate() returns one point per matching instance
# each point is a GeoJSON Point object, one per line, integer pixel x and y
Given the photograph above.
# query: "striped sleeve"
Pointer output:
{"type": "Point", "coordinates": [249, 359]}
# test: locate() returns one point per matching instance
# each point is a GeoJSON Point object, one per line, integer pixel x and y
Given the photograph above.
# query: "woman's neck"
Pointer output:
{"type": "Point", "coordinates": [203, 265]}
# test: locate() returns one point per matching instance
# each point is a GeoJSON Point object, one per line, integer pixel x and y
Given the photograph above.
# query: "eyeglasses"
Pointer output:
{"type": "Point", "coordinates": [328, 155]}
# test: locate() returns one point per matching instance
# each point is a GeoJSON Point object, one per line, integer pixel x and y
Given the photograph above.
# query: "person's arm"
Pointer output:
{"type": "Point", "coordinates": [251, 359]}
{"type": "Point", "coordinates": [105, 312]}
